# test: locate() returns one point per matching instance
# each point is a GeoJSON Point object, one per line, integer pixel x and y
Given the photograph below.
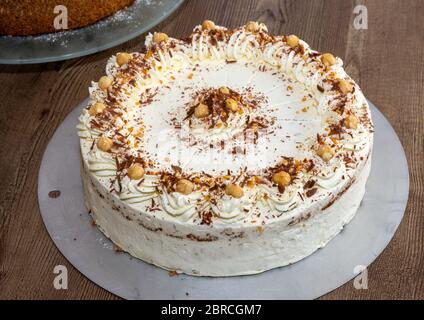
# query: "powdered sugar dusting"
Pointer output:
{"type": "Point", "coordinates": [124, 16]}
{"type": "Point", "coordinates": [123, 26]}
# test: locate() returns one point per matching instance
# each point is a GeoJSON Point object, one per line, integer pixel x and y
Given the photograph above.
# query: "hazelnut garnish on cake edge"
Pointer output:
{"type": "Point", "coordinates": [191, 146]}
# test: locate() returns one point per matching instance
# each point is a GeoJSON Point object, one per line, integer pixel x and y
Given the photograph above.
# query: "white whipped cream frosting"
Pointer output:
{"type": "Point", "coordinates": [282, 68]}
{"type": "Point", "coordinates": [182, 207]}
{"type": "Point", "coordinates": [139, 191]}
{"type": "Point", "coordinates": [264, 229]}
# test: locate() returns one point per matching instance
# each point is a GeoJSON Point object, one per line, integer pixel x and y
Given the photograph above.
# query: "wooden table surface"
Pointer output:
{"type": "Point", "coordinates": [387, 60]}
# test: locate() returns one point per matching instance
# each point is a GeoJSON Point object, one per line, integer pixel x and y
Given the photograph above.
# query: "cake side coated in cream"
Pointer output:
{"type": "Point", "coordinates": [230, 145]}
{"type": "Point", "coordinates": [222, 251]}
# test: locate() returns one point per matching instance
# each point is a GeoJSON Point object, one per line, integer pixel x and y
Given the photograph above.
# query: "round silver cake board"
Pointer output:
{"type": "Point", "coordinates": [91, 253]}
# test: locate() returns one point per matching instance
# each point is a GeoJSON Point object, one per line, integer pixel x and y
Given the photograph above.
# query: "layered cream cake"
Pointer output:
{"type": "Point", "coordinates": [230, 152]}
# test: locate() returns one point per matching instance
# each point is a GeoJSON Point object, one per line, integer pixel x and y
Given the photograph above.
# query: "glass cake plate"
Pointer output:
{"type": "Point", "coordinates": [107, 33]}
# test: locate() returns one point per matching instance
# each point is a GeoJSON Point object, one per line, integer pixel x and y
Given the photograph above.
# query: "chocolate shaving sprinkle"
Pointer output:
{"type": "Point", "coordinates": [54, 194]}
{"type": "Point", "coordinates": [311, 192]}
{"type": "Point", "coordinates": [309, 185]}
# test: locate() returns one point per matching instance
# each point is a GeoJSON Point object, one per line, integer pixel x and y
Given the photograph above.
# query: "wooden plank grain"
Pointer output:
{"type": "Point", "coordinates": [387, 61]}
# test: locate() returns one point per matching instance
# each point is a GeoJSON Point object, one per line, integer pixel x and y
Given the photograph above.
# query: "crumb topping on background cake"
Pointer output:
{"type": "Point", "coordinates": [29, 17]}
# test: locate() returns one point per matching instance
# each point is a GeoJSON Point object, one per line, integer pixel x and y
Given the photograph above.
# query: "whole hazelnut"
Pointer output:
{"type": "Point", "coordinates": [224, 90]}
{"type": "Point", "coordinates": [105, 82]}
{"type": "Point", "coordinates": [351, 122]}
{"type": "Point", "coordinates": [328, 59]}
{"type": "Point", "coordinates": [184, 187]}
{"type": "Point", "coordinates": [96, 108]}
{"type": "Point", "coordinates": [293, 41]}
{"type": "Point", "coordinates": [345, 86]}
{"type": "Point", "coordinates": [208, 25]}
{"type": "Point", "coordinates": [201, 111]}
{"type": "Point", "coordinates": [282, 178]}
{"type": "Point", "coordinates": [252, 26]}
{"type": "Point", "coordinates": [159, 37]}
{"type": "Point", "coordinates": [123, 58]}
{"type": "Point", "coordinates": [105, 144]}
{"type": "Point", "coordinates": [136, 172]}
{"type": "Point", "coordinates": [234, 191]}
{"type": "Point", "coordinates": [325, 152]}
{"type": "Point", "coordinates": [232, 104]}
